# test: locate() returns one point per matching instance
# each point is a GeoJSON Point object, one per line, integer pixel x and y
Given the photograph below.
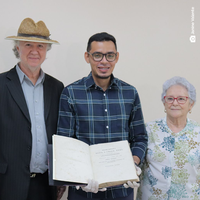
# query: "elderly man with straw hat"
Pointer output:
{"type": "Point", "coordinates": [29, 101]}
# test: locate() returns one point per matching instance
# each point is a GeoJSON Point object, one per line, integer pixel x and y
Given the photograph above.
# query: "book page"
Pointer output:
{"type": "Point", "coordinates": [71, 160]}
{"type": "Point", "coordinates": [113, 162]}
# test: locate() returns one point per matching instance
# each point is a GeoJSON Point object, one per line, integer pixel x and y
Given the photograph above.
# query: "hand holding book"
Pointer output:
{"type": "Point", "coordinates": [134, 184]}
{"type": "Point", "coordinates": [93, 186]}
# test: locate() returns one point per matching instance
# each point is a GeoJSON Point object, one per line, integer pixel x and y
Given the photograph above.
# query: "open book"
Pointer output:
{"type": "Point", "coordinates": [110, 163]}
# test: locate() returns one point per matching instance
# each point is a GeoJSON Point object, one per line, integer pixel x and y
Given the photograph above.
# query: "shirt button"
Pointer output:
{"type": "Point", "coordinates": [106, 110]}
{"type": "Point", "coordinates": [36, 101]}
{"type": "Point", "coordinates": [104, 94]}
{"type": "Point", "coordinates": [106, 126]}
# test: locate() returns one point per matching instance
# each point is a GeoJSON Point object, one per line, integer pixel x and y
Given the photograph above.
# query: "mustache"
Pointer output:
{"type": "Point", "coordinates": [103, 65]}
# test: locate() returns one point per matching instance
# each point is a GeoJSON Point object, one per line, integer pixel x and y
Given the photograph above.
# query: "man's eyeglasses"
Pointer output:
{"type": "Point", "coordinates": [180, 99]}
{"type": "Point", "coordinates": [98, 56]}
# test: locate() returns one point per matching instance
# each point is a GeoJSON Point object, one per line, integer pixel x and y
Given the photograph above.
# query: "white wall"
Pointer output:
{"type": "Point", "coordinates": [152, 38]}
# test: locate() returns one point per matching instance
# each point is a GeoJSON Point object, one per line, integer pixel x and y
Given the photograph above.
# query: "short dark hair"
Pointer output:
{"type": "Point", "coordinates": [100, 37]}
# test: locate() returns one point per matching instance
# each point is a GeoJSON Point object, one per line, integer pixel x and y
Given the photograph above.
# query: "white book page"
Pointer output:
{"type": "Point", "coordinates": [112, 162]}
{"type": "Point", "coordinates": [71, 160]}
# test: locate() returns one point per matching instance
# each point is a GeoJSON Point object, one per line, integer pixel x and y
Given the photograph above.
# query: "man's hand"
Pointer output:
{"type": "Point", "coordinates": [92, 186]}
{"type": "Point", "coordinates": [60, 191]}
{"type": "Point", "coordinates": [138, 170]}
{"type": "Point", "coordinates": [136, 160]}
{"type": "Point", "coordinates": [133, 184]}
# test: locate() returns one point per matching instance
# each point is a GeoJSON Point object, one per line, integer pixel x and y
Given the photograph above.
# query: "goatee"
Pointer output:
{"type": "Point", "coordinates": [103, 77]}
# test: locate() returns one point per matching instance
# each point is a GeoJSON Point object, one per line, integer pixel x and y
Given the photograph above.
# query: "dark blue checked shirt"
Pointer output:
{"type": "Point", "coordinates": [95, 116]}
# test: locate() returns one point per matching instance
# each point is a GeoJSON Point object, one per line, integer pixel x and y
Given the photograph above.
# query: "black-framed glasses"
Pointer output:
{"type": "Point", "coordinates": [180, 99]}
{"type": "Point", "coordinates": [98, 56]}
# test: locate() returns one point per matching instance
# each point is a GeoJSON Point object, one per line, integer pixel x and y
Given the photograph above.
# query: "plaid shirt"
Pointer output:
{"type": "Point", "coordinates": [95, 116]}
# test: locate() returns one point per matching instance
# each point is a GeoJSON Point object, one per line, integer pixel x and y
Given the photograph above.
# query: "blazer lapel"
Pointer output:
{"type": "Point", "coordinates": [47, 96]}
{"type": "Point", "coordinates": [16, 91]}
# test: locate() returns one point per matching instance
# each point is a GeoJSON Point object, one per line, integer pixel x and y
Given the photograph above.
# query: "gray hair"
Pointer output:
{"type": "Point", "coordinates": [16, 43]}
{"type": "Point", "coordinates": [177, 80]}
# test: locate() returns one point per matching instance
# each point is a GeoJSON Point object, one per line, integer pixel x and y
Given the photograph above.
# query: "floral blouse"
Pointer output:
{"type": "Point", "coordinates": [172, 167]}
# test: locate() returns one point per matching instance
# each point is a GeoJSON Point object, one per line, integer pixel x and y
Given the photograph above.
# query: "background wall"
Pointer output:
{"type": "Point", "coordinates": [152, 38]}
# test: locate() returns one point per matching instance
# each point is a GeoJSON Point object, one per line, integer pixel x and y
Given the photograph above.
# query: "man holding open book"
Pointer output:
{"type": "Point", "coordinates": [100, 108]}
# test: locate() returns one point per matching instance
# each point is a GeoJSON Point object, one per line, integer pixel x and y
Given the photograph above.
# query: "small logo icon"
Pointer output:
{"type": "Point", "coordinates": [192, 38]}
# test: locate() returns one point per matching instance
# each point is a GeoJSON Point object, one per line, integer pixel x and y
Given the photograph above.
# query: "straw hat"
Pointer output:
{"type": "Point", "coordinates": [33, 32]}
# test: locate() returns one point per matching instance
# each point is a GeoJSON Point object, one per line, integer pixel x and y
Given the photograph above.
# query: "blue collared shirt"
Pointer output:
{"type": "Point", "coordinates": [95, 116]}
{"type": "Point", "coordinates": [35, 103]}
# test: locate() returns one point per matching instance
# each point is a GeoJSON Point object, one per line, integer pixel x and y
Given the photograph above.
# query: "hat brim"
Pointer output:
{"type": "Point", "coordinates": [31, 39]}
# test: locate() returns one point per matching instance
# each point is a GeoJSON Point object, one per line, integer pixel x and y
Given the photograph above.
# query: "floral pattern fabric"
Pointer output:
{"type": "Point", "coordinates": [172, 166]}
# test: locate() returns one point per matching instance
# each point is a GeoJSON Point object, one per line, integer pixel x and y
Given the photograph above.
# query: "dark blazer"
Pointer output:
{"type": "Point", "coordinates": [15, 132]}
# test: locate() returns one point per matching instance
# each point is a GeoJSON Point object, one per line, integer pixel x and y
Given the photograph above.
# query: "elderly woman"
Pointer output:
{"type": "Point", "coordinates": [172, 167]}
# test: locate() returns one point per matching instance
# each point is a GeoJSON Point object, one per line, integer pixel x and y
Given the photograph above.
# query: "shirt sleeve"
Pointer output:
{"type": "Point", "coordinates": [138, 136]}
{"type": "Point", "coordinates": [66, 118]}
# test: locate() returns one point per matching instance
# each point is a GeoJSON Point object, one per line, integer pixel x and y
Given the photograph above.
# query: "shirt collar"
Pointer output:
{"type": "Point", "coordinates": [90, 81]}
{"type": "Point", "coordinates": [22, 76]}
